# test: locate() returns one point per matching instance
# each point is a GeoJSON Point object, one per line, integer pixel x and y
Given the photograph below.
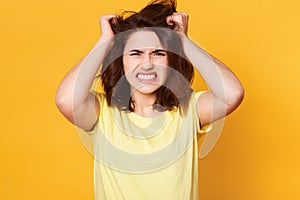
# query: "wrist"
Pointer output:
{"type": "Point", "coordinates": [104, 39]}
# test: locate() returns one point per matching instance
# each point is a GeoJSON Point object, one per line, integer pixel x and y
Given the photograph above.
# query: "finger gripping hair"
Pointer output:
{"type": "Point", "coordinates": [153, 15]}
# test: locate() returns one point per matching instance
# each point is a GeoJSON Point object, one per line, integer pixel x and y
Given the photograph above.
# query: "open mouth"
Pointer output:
{"type": "Point", "coordinates": [146, 77]}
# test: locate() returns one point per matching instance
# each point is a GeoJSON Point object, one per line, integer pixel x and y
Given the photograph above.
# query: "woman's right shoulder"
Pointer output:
{"type": "Point", "coordinates": [101, 99]}
{"type": "Point", "coordinates": [100, 96]}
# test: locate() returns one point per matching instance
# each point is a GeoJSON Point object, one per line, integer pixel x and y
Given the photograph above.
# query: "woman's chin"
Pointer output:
{"type": "Point", "coordinates": [147, 89]}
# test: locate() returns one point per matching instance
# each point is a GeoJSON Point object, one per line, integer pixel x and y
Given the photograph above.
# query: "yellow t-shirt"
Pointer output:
{"type": "Point", "coordinates": [138, 158]}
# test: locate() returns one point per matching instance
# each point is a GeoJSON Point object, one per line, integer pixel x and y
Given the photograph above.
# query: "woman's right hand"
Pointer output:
{"type": "Point", "coordinates": [105, 28]}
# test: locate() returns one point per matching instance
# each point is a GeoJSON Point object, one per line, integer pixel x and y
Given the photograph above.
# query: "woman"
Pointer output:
{"type": "Point", "coordinates": [144, 127]}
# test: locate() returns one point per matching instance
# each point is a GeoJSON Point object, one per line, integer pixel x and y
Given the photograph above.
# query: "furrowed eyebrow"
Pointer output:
{"type": "Point", "coordinates": [158, 51]}
{"type": "Point", "coordinates": [140, 51]}
{"type": "Point", "coordinates": [136, 50]}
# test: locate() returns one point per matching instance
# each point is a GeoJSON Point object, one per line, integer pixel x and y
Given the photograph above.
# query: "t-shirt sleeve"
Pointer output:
{"type": "Point", "coordinates": [201, 129]}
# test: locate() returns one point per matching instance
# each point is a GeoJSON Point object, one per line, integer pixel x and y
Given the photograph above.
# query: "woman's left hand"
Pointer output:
{"type": "Point", "coordinates": [181, 20]}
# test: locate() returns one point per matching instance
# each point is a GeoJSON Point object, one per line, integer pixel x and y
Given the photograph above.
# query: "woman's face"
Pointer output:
{"type": "Point", "coordinates": [145, 62]}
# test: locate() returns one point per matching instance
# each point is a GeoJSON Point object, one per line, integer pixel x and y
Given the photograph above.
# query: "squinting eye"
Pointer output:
{"type": "Point", "coordinates": [134, 54]}
{"type": "Point", "coordinates": [159, 54]}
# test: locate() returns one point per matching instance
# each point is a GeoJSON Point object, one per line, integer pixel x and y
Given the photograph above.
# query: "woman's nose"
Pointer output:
{"type": "Point", "coordinates": [147, 66]}
{"type": "Point", "coordinates": [147, 63]}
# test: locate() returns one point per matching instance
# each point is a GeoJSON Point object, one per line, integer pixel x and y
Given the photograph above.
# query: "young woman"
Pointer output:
{"type": "Point", "coordinates": [144, 126]}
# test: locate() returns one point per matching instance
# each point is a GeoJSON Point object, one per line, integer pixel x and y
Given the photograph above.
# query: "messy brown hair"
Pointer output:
{"type": "Point", "coordinates": [176, 91]}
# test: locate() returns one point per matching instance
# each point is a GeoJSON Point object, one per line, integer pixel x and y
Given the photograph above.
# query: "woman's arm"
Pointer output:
{"type": "Point", "coordinates": [226, 92]}
{"type": "Point", "coordinates": [73, 97]}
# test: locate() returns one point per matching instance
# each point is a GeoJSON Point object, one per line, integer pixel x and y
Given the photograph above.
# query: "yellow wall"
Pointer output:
{"type": "Point", "coordinates": [257, 156]}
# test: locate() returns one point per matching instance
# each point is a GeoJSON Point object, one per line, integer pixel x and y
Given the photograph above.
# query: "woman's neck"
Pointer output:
{"type": "Point", "coordinates": [143, 103]}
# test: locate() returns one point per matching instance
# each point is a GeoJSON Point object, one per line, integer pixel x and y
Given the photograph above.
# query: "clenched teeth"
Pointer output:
{"type": "Point", "coordinates": [146, 76]}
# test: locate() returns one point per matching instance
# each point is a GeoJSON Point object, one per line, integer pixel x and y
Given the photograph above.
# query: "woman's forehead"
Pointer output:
{"type": "Point", "coordinates": [142, 40]}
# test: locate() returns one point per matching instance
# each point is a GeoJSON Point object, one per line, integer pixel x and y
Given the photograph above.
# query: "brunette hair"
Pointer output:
{"type": "Point", "coordinates": [176, 91]}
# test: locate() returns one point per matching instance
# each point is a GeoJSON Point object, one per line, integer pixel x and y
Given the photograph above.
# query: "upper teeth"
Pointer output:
{"type": "Point", "coordinates": [146, 77]}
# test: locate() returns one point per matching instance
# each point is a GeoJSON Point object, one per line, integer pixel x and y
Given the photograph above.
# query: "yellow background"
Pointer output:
{"type": "Point", "coordinates": [257, 156]}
